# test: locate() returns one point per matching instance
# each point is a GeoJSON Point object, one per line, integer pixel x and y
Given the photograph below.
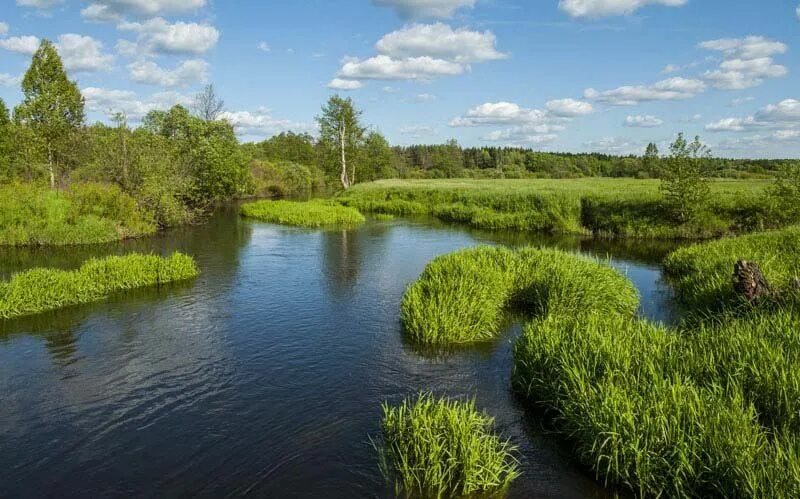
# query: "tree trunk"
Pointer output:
{"type": "Point", "coordinates": [51, 167]}
{"type": "Point", "coordinates": [749, 282]}
{"type": "Point", "coordinates": [344, 177]}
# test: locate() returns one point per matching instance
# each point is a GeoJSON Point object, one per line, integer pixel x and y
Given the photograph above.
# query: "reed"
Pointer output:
{"type": "Point", "coordinates": [303, 214]}
{"type": "Point", "coordinates": [40, 290]}
{"type": "Point", "coordinates": [444, 448]}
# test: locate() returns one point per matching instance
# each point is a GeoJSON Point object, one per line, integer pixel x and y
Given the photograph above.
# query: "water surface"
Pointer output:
{"type": "Point", "coordinates": [264, 376]}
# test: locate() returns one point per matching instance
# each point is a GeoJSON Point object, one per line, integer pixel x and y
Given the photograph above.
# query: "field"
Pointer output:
{"type": "Point", "coordinates": [600, 206]}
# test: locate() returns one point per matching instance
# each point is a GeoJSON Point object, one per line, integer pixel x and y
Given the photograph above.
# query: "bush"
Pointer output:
{"type": "Point", "coordinates": [441, 447]}
{"type": "Point", "coordinates": [40, 290]}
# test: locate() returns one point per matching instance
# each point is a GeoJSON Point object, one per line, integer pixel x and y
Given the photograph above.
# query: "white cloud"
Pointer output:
{"type": "Point", "coordinates": [670, 89]}
{"type": "Point", "coordinates": [742, 100]}
{"type": "Point", "coordinates": [7, 80]}
{"type": "Point", "coordinates": [440, 41]}
{"type": "Point", "coordinates": [747, 62]}
{"type": "Point", "coordinates": [390, 90]}
{"type": "Point", "coordinates": [39, 4]}
{"type": "Point", "coordinates": [614, 145]}
{"type": "Point", "coordinates": [114, 10]}
{"type": "Point", "coordinates": [569, 108]}
{"type": "Point", "coordinates": [339, 84]}
{"type": "Point", "coordinates": [603, 8]}
{"type": "Point", "coordinates": [646, 121]}
{"type": "Point", "coordinates": [419, 9]}
{"type": "Point", "coordinates": [383, 67]}
{"type": "Point", "coordinates": [525, 135]}
{"type": "Point", "coordinates": [418, 131]}
{"type": "Point", "coordinates": [264, 47]}
{"type": "Point", "coordinates": [425, 98]}
{"type": "Point", "coordinates": [110, 102]}
{"type": "Point", "coordinates": [159, 36]}
{"type": "Point", "coordinates": [3, 28]}
{"type": "Point", "coordinates": [25, 45]}
{"type": "Point", "coordinates": [501, 113]}
{"type": "Point", "coordinates": [260, 123]}
{"type": "Point", "coordinates": [186, 73]}
{"type": "Point", "coordinates": [783, 115]}
{"type": "Point", "coordinates": [83, 53]}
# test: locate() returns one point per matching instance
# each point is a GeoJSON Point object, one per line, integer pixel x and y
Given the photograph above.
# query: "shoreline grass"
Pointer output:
{"type": "Point", "coordinates": [41, 290]}
{"type": "Point", "coordinates": [89, 213]}
{"type": "Point", "coordinates": [310, 214]}
{"type": "Point", "coordinates": [603, 207]}
{"type": "Point", "coordinates": [444, 448]}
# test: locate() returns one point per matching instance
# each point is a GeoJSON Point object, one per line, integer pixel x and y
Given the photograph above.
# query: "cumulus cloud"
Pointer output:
{"type": "Point", "coordinates": [500, 113]}
{"type": "Point", "coordinates": [114, 10]}
{"type": "Point", "coordinates": [783, 115]}
{"type": "Point", "coordinates": [186, 73]}
{"type": "Point", "coordinates": [383, 67]}
{"type": "Point", "coordinates": [614, 145]}
{"type": "Point", "coordinates": [83, 53]}
{"type": "Point", "coordinates": [425, 9]}
{"type": "Point", "coordinates": [25, 45]}
{"type": "Point", "coordinates": [423, 52]}
{"type": "Point", "coordinates": [260, 123]}
{"type": "Point", "coordinates": [109, 102]}
{"type": "Point", "coordinates": [604, 8]}
{"type": "Point", "coordinates": [747, 62]}
{"type": "Point", "coordinates": [524, 135]}
{"type": "Point", "coordinates": [157, 36]}
{"type": "Point", "coordinates": [7, 80]}
{"type": "Point", "coordinates": [339, 84]}
{"type": "Point", "coordinates": [440, 41]}
{"type": "Point", "coordinates": [646, 121]}
{"type": "Point", "coordinates": [670, 89]}
{"type": "Point", "coordinates": [569, 108]}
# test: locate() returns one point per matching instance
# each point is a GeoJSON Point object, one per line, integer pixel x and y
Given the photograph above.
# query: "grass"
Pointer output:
{"type": "Point", "coordinates": [703, 273]}
{"type": "Point", "coordinates": [707, 408]}
{"type": "Point", "coordinates": [444, 448]}
{"type": "Point", "coordinates": [461, 297]}
{"type": "Point", "coordinates": [84, 214]}
{"type": "Point", "coordinates": [302, 214]}
{"type": "Point", "coordinates": [40, 290]}
{"type": "Point", "coordinates": [600, 206]}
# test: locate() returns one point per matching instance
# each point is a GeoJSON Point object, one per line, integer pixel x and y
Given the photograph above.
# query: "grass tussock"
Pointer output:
{"type": "Point", "coordinates": [444, 448]}
{"type": "Point", "coordinates": [600, 206]}
{"type": "Point", "coordinates": [302, 214]}
{"type": "Point", "coordinates": [703, 273]}
{"type": "Point", "coordinates": [461, 297]}
{"type": "Point", "coordinates": [84, 214]}
{"type": "Point", "coordinates": [40, 290]}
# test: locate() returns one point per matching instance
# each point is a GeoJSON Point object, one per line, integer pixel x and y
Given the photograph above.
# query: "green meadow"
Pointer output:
{"type": "Point", "coordinates": [303, 214]}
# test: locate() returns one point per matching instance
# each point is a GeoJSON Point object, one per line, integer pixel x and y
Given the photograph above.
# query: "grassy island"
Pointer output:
{"type": "Point", "coordinates": [40, 290]}
{"type": "Point", "coordinates": [444, 448]}
{"type": "Point", "coordinates": [303, 214]}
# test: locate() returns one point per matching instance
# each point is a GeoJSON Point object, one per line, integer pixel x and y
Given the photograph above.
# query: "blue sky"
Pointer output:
{"type": "Point", "coordinates": [562, 75]}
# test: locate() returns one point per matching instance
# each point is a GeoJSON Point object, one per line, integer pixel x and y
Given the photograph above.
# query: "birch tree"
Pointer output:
{"type": "Point", "coordinates": [52, 106]}
{"type": "Point", "coordinates": [341, 130]}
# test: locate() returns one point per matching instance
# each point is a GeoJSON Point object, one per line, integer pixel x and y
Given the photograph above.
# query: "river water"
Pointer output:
{"type": "Point", "coordinates": [264, 376]}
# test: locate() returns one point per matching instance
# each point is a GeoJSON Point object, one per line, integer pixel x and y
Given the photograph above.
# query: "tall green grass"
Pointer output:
{"type": "Point", "coordinates": [302, 214]}
{"type": "Point", "coordinates": [703, 273]}
{"type": "Point", "coordinates": [83, 214]}
{"type": "Point", "coordinates": [461, 297]}
{"type": "Point", "coordinates": [444, 448]}
{"type": "Point", "coordinates": [600, 206]}
{"type": "Point", "coordinates": [41, 290]}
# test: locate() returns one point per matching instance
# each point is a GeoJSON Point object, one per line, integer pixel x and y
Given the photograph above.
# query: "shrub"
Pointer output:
{"type": "Point", "coordinates": [441, 447]}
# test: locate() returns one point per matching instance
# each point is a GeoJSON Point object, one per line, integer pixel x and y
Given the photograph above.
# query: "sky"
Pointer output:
{"type": "Point", "coordinates": [555, 75]}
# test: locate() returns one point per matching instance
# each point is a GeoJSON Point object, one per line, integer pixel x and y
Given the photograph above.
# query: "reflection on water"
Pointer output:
{"type": "Point", "coordinates": [265, 375]}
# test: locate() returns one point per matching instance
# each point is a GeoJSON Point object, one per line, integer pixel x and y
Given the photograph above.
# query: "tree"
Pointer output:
{"type": "Point", "coordinates": [340, 129]}
{"type": "Point", "coordinates": [52, 106]}
{"type": "Point", "coordinates": [4, 118]}
{"type": "Point", "coordinates": [378, 158]}
{"type": "Point", "coordinates": [685, 189]}
{"type": "Point", "coordinates": [208, 106]}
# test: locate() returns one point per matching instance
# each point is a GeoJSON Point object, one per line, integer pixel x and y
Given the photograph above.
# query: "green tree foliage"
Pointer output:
{"type": "Point", "coordinates": [786, 193]}
{"type": "Point", "coordinates": [342, 136]}
{"type": "Point", "coordinates": [6, 142]}
{"type": "Point", "coordinates": [378, 158]}
{"type": "Point", "coordinates": [685, 189]}
{"type": "Point", "coordinates": [52, 108]}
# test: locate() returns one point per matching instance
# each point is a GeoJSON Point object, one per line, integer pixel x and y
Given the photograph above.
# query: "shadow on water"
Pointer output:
{"type": "Point", "coordinates": [265, 375]}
